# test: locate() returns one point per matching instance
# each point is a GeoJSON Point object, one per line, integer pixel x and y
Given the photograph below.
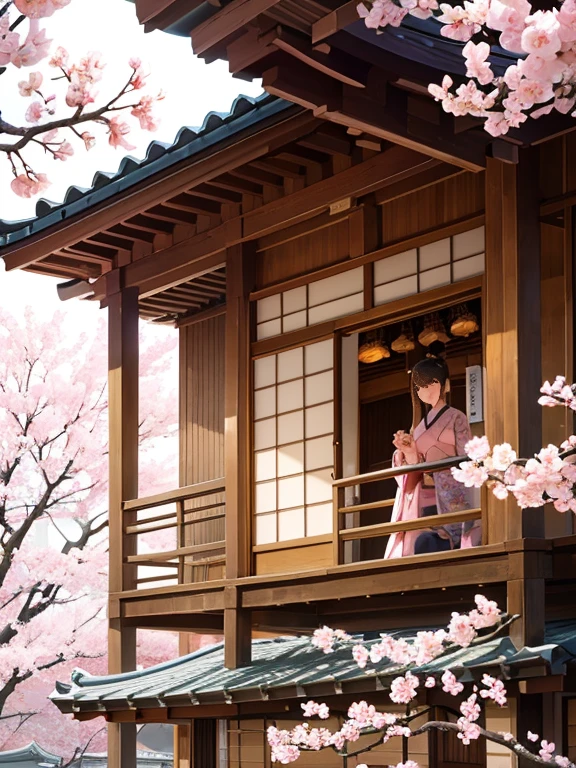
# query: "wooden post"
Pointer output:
{"type": "Point", "coordinates": [512, 327]}
{"type": "Point", "coordinates": [123, 472]}
{"type": "Point", "coordinates": [239, 282]}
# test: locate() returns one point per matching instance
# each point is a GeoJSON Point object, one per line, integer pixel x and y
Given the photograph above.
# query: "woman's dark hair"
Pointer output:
{"type": "Point", "coordinates": [432, 368]}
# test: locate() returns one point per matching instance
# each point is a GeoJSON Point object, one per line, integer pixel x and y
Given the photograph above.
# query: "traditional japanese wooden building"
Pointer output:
{"type": "Point", "coordinates": [342, 208]}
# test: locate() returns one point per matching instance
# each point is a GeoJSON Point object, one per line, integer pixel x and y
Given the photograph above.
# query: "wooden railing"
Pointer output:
{"type": "Point", "coordinates": [360, 532]}
{"type": "Point", "coordinates": [196, 551]}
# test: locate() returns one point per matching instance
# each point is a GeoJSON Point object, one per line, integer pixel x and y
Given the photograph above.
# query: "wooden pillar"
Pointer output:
{"type": "Point", "coordinates": [237, 409]}
{"type": "Point", "coordinates": [123, 473]}
{"type": "Point", "coordinates": [512, 327]}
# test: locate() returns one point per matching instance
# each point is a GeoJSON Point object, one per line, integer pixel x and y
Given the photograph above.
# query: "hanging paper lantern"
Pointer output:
{"type": "Point", "coordinates": [464, 322]}
{"type": "Point", "coordinates": [434, 330]}
{"type": "Point", "coordinates": [405, 342]}
{"type": "Point", "coordinates": [374, 349]}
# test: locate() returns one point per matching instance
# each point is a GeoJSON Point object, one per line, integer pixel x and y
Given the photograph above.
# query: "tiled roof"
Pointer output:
{"type": "Point", "coordinates": [289, 667]}
{"type": "Point", "coordinates": [218, 128]}
{"type": "Point", "coordinates": [28, 756]}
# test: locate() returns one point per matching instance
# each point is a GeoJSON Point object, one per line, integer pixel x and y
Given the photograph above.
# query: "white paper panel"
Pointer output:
{"type": "Point", "coordinates": [319, 452]}
{"type": "Point", "coordinates": [319, 356]}
{"type": "Point", "coordinates": [290, 427]}
{"type": "Point", "coordinates": [290, 492]}
{"type": "Point", "coordinates": [468, 243]}
{"type": "Point", "coordinates": [290, 459]}
{"type": "Point", "coordinates": [265, 529]}
{"type": "Point", "coordinates": [291, 524]}
{"type": "Point", "coordinates": [335, 287]}
{"type": "Point", "coordinates": [435, 254]}
{"type": "Point", "coordinates": [397, 290]}
{"type": "Point", "coordinates": [318, 486]}
{"type": "Point", "coordinates": [468, 267]}
{"type": "Point", "coordinates": [290, 364]}
{"type": "Point", "coordinates": [266, 330]}
{"type": "Point", "coordinates": [268, 308]}
{"type": "Point", "coordinates": [336, 308]}
{"type": "Point", "coordinates": [264, 434]}
{"type": "Point", "coordinates": [320, 420]}
{"type": "Point", "coordinates": [434, 278]}
{"type": "Point", "coordinates": [319, 520]}
{"type": "Point", "coordinates": [264, 402]}
{"type": "Point", "coordinates": [294, 300]}
{"type": "Point", "coordinates": [264, 372]}
{"type": "Point", "coordinates": [319, 388]}
{"type": "Point", "coordinates": [265, 497]}
{"type": "Point", "coordinates": [294, 321]}
{"type": "Point", "coordinates": [290, 396]}
{"type": "Point", "coordinates": [265, 465]}
{"type": "Point", "coordinates": [395, 267]}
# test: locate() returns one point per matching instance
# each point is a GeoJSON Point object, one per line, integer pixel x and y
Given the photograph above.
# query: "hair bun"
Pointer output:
{"type": "Point", "coordinates": [436, 349]}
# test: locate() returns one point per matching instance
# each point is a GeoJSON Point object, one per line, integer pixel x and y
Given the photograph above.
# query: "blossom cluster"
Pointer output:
{"type": "Point", "coordinates": [80, 80]}
{"type": "Point", "coordinates": [549, 476]}
{"type": "Point", "coordinates": [363, 719]}
{"type": "Point", "coordinates": [425, 646]}
{"type": "Point", "coordinates": [544, 41]}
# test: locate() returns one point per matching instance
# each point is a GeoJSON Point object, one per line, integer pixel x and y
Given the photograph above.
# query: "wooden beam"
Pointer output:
{"type": "Point", "coordinates": [334, 21]}
{"type": "Point", "coordinates": [233, 17]}
{"type": "Point", "coordinates": [123, 484]}
{"type": "Point", "coordinates": [387, 168]}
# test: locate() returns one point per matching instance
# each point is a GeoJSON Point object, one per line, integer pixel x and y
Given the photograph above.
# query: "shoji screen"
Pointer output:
{"type": "Point", "coordinates": [293, 443]}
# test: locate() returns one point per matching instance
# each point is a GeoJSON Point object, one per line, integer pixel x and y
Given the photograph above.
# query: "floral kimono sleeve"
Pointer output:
{"type": "Point", "coordinates": [462, 433]}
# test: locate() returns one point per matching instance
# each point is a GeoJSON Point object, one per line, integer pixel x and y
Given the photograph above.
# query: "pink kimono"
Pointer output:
{"type": "Point", "coordinates": [442, 433]}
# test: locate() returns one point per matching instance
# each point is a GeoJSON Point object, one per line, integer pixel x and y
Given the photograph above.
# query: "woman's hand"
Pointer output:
{"type": "Point", "coordinates": [404, 442]}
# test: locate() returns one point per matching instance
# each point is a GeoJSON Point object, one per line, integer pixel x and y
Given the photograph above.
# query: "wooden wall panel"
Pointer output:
{"type": "Point", "coordinates": [303, 254]}
{"type": "Point", "coordinates": [294, 559]}
{"type": "Point", "coordinates": [432, 207]}
{"type": "Point", "coordinates": [552, 170]}
{"type": "Point", "coordinates": [570, 735]}
{"type": "Point", "coordinates": [202, 361]}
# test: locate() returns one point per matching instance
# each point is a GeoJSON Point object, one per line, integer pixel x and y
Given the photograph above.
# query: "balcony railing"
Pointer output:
{"type": "Point", "coordinates": [184, 544]}
{"type": "Point", "coordinates": [362, 532]}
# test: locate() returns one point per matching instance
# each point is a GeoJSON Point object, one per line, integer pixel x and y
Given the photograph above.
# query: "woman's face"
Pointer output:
{"type": "Point", "coordinates": [430, 394]}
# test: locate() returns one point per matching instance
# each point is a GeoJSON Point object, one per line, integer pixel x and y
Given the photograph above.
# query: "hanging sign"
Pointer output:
{"type": "Point", "coordinates": [474, 398]}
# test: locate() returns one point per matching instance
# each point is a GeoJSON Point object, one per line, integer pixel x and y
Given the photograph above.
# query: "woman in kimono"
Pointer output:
{"type": "Point", "coordinates": [440, 432]}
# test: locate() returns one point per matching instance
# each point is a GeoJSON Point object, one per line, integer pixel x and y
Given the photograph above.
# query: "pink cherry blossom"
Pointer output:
{"type": "Point", "coordinates": [403, 689]}
{"type": "Point", "coordinates": [143, 112]}
{"type": "Point", "coordinates": [28, 186]}
{"type": "Point", "coordinates": [430, 682]}
{"type": "Point", "coordinates": [547, 750]}
{"type": "Point", "coordinates": [541, 35]}
{"type": "Point", "coordinates": [476, 64]}
{"type": "Point", "coordinates": [36, 9]}
{"type": "Point", "coordinates": [34, 112]}
{"type": "Point", "coordinates": [64, 151]}
{"type": "Point", "coordinates": [28, 87]}
{"type": "Point", "coordinates": [117, 130]}
{"type": "Point", "coordinates": [34, 48]}
{"type": "Point", "coordinates": [477, 448]}
{"type": "Point", "coordinates": [450, 684]}
{"type": "Point", "coordinates": [88, 139]}
{"type": "Point", "coordinates": [562, 761]}
{"type": "Point", "coordinates": [470, 708]}
{"type": "Point", "coordinates": [421, 9]}
{"type": "Point", "coordinates": [460, 630]}
{"type": "Point", "coordinates": [502, 456]}
{"type": "Point", "coordinates": [469, 731]}
{"type": "Point", "coordinates": [59, 57]}
{"type": "Point", "coordinates": [496, 690]}
{"type": "Point", "coordinates": [532, 736]}
{"type": "Point", "coordinates": [381, 14]}
{"type": "Point", "coordinates": [360, 655]}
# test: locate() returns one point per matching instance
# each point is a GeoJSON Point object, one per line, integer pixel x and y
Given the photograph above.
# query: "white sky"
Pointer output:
{"type": "Point", "coordinates": [192, 90]}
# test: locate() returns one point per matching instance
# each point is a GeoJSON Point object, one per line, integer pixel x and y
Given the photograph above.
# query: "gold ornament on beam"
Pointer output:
{"type": "Point", "coordinates": [434, 330]}
{"type": "Point", "coordinates": [373, 349]}
{"type": "Point", "coordinates": [464, 322]}
{"type": "Point", "coordinates": [404, 342]}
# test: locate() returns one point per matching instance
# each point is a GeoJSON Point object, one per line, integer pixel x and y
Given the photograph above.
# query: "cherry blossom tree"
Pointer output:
{"type": "Point", "coordinates": [65, 106]}
{"type": "Point", "coordinates": [366, 728]}
{"type": "Point", "coordinates": [541, 43]}
{"type": "Point", "coordinates": [53, 514]}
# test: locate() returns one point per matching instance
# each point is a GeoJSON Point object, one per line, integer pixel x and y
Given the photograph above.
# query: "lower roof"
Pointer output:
{"type": "Point", "coordinates": [290, 667]}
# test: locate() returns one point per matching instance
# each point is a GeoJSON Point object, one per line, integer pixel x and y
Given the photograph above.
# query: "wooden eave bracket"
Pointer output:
{"type": "Point", "coordinates": [381, 111]}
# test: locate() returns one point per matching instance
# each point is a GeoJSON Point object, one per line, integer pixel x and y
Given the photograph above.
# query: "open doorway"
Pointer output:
{"type": "Point", "coordinates": [385, 356]}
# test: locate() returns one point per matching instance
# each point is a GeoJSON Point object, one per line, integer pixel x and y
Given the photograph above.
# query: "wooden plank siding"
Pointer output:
{"type": "Point", "coordinates": [202, 363]}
